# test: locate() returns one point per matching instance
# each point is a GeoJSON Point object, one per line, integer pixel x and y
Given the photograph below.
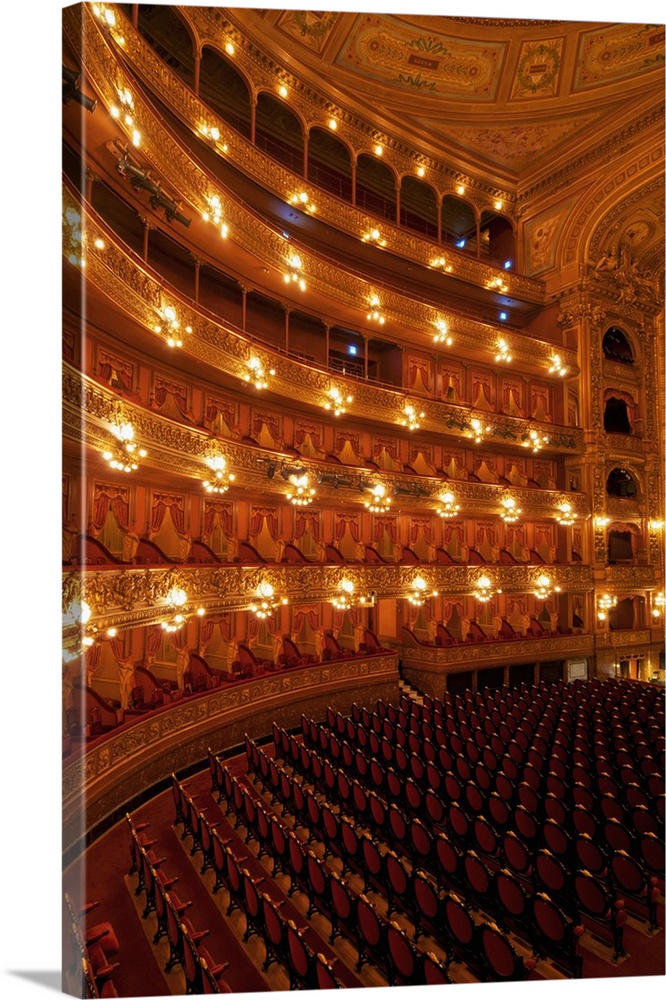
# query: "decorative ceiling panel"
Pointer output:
{"type": "Point", "coordinates": [310, 27]}
{"type": "Point", "coordinates": [617, 52]}
{"type": "Point", "coordinates": [399, 54]}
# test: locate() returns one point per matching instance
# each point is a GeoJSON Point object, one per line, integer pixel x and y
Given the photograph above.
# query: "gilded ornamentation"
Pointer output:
{"type": "Point", "coordinates": [538, 68]}
{"type": "Point", "coordinates": [310, 27]}
{"type": "Point", "coordinates": [617, 52]}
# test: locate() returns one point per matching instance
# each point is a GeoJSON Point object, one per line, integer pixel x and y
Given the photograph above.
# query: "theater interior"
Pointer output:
{"type": "Point", "coordinates": [362, 499]}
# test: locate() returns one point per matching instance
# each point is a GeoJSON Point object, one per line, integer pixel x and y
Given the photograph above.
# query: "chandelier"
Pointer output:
{"type": "Point", "coordinates": [556, 366]}
{"type": "Point", "coordinates": [410, 418]}
{"type": "Point", "coordinates": [170, 318]}
{"type": "Point", "coordinates": [380, 502]}
{"type": "Point", "coordinates": [442, 336]}
{"type": "Point", "coordinates": [344, 600]}
{"type": "Point", "coordinates": [303, 494]}
{"type": "Point", "coordinates": [503, 351]}
{"type": "Point", "coordinates": [544, 588]}
{"type": "Point", "coordinates": [476, 430]}
{"type": "Point", "coordinates": [256, 374]}
{"type": "Point", "coordinates": [125, 452]}
{"type": "Point", "coordinates": [268, 602]}
{"type": "Point", "coordinates": [337, 401]}
{"type": "Point", "coordinates": [221, 479]}
{"type": "Point", "coordinates": [658, 601]}
{"type": "Point", "coordinates": [484, 590]}
{"type": "Point", "coordinates": [214, 213]}
{"type": "Point", "coordinates": [374, 236]}
{"type": "Point", "coordinates": [107, 18]}
{"type": "Point", "coordinates": [511, 511]}
{"type": "Point", "coordinates": [375, 313]}
{"type": "Point", "coordinates": [601, 521]}
{"type": "Point", "coordinates": [294, 265]}
{"type": "Point", "coordinates": [176, 605]}
{"type": "Point", "coordinates": [533, 440]}
{"type": "Point", "coordinates": [441, 262]}
{"type": "Point", "coordinates": [449, 506]}
{"type": "Point", "coordinates": [604, 604]}
{"type": "Point", "coordinates": [566, 517]}
{"type": "Point", "coordinates": [419, 593]}
{"type": "Point", "coordinates": [302, 200]}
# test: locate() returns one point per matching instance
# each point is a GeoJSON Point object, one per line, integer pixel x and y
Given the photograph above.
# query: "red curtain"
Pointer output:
{"type": "Point", "coordinates": [485, 531]}
{"type": "Point", "coordinates": [344, 521]}
{"type": "Point", "coordinates": [221, 510]}
{"type": "Point", "coordinates": [303, 614]}
{"type": "Point", "coordinates": [304, 520]}
{"type": "Point", "coordinates": [153, 640]}
{"type": "Point", "coordinates": [423, 525]}
{"type": "Point", "coordinates": [258, 516]}
{"type": "Point", "coordinates": [113, 497]}
{"type": "Point", "coordinates": [175, 505]}
{"type": "Point", "coordinates": [93, 656]}
{"type": "Point", "coordinates": [452, 528]}
{"type": "Point", "coordinates": [179, 638]}
{"type": "Point", "coordinates": [387, 524]}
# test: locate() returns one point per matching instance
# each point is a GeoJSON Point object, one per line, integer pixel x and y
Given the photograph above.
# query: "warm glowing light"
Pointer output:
{"type": "Point", "coordinates": [420, 171]}
{"type": "Point", "coordinates": [484, 590]}
{"type": "Point", "coordinates": [230, 48]}
{"type": "Point", "coordinates": [449, 507]}
{"type": "Point", "coordinates": [378, 150]}
{"type": "Point", "coordinates": [374, 236]}
{"type": "Point", "coordinates": [442, 336]}
{"type": "Point", "coordinates": [375, 313]}
{"type": "Point", "coordinates": [302, 494]}
{"type": "Point", "coordinates": [601, 521]}
{"type": "Point", "coordinates": [477, 429]}
{"type": "Point", "coordinates": [503, 353]}
{"type": "Point", "coordinates": [410, 418]}
{"type": "Point", "coordinates": [100, 244]}
{"type": "Point", "coordinates": [332, 124]}
{"type": "Point", "coordinates": [544, 588]}
{"type": "Point", "coordinates": [534, 441]}
{"type": "Point", "coordinates": [460, 189]}
{"type": "Point", "coordinates": [344, 600]}
{"type": "Point", "coordinates": [267, 602]}
{"type": "Point", "coordinates": [604, 604]}
{"type": "Point", "coordinates": [658, 601]}
{"type": "Point", "coordinates": [302, 200]}
{"type": "Point", "coordinates": [214, 214]}
{"type": "Point", "coordinates": [656, 525]}
{"type": "Point", "coordinates": [511, 512]}
{"type": "Point", "coordinates": [419, 593]}
{"type": "Point", "coordinates": [282, 91]}
{"type": "Point", "coordinates": [498, 205]}
{"type": "Point", "coordinates": [221, 478]}
{"type": "Point", "coordinates": [293, 275]}
{"type": "Point", "coordinates": [556, 366]}
{"type": "Point", "coordinates": [380, 502]}
{"type": "Point", "coordinates": [566, 516]}
{"type": "Point", "coordinates": [256, 373]}
{"type": "Point", "coordinates": [122, 457]}
{"type": "Point", "coordinates": [337, 402]}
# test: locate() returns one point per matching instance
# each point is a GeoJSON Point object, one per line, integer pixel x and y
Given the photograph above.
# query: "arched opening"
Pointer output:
{"type": "Point", "coordinates": [278, 132]}
{"type": "Point", "coordinates": [616, 347]}
{"type": "Point", "coordinates": [167, 33]}
{"type": "Point", "coordinates": [621, 483]}
{"type": "Point", "coordinates": [224, 90]}
{"type": "Point", "coordinates": [375, 187]}
{"type": "Point", "coordinates": [497, 239]}
{"type": "Point", "coordinates": [627, 613]}
{"type": "Point", "coordinates": [418, 207]}
{"type": "Point", "coordinates": [458, 223]}
{"type": "Point", "coordinates": [329, 163]}
{"type": "Point", "coordinates": [616, 416]}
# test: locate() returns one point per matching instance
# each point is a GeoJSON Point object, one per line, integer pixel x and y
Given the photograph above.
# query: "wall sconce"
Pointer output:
{"type": "Point", "coordinates": [476, 430]}
{"type": "Point", "coordinates": [256, 373]}
{"type": "Point", "coordinates": [556, 366]}
{"type": "Point", "coordinates": [380, 502]}
{"type": "Point", "coordinates": [214, 214]}
{"type": "Point", "coordinates": [108, 21]}
{"type": "Point", "coordinates": [566, 516]}
{"type": "Point", "coordinates": [497, 284]}
{"type": "Point", "coordinates": [449, 506]}
{"type": "Point", "coordinates": [534, 441]}
{"type": "Point", "coordinates": [337, 401]}
{"type": "Point", "coordinates": [268, 602]}
{"type": "Point", "coordinates": [303, 494]}
{"type": "Point", "coordinates": [511, 511]}
{"type": "Point", "coordinates": [484, 590]}
{"type": "Point", "coordinates": [658, 602]}
{"type": "Point", "coordinates": [604, 604]}
{"type": "Point", "coordinates": [221, 478]}
{"type": "Point", "coordinates": [176, 601]}
{"type": "Point", "coordinates": [302, 200]}
{"type": "Point", "coordinates": [124, 454]}
{"type": "Point", "coordinates": [544, 588]}
{"type": "Point", "coordinates": [601, 521]}
{"type": "Point", "coordinates": [374, 236]}
{"type": "Point", "coordinates": [375, 313]}
{"type": "Point", "coordinates": [410, 418]}
{"type": "Point", "coordinates": [503, 353]}
{"type": "Point", "coordinates": [440, 262]}
{"type": "Point", "coordinates": [420, 593]}
{"type": "Point", "coordinates": [656, 525]}
{"type": "Point", "coordinates": [442, 336]}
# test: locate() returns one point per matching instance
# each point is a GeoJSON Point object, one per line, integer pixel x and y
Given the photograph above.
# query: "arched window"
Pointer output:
{"type": "Point", "coordinates": [278, 132]}
{"type": "Point", "coordinates": [418, 207]}
{"type": "Point", "coordinates": [621, 483]}
{"type": "Point", "coordinates": [620, 548]}
{"type": "Point", "coordinates": [616, 347]}
{"type": "Point", "coordinates": [458, 223]}
{"type": "Point", "coordinates": [164, 29]}
{"type": "Point", "coordinates": [375, 187]}
{"type": "Point", "coordinates": [616, 416]}
{"type": "Point", "coordinates": [224, 90]}
{"type": "Point", "coordinates": [329, 163]}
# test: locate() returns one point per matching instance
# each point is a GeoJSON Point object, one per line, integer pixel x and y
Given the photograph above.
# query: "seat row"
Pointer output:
{"type": "Point", "coordinates": [93, 946]}
{"type": "Point", "coordinates": [202, 973]}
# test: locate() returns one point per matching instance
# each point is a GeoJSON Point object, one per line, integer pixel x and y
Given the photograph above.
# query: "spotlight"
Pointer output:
{"type": "Point", "coordinates": [71, 92]}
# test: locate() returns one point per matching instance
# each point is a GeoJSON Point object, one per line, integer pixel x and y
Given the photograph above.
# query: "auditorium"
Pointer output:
{"type": "Point", "coordinates": [362, 499]}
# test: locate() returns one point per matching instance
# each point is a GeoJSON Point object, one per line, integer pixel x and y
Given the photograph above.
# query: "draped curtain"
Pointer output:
{"type": "Point", "coordinates": [423, 525]}
{"type": "Point", "coordinates": [452, 528]}
{"type": "Point", "coordinates": [485, 531]}
{"type": "Point", "coordinates": [113, 497]}
{"type": "Point", "coordinates": [344, 521]}
{"type": "Point", "coordinates": [305, 520]}
{"type": "Point", "coordinates": [257, 517]}
{"type": "Point", "coordinates": [271, 422]}
{"type": "Point", "coordinates": [207, 628]}
{"type": "Point", "coordinates": [153, 643]}
{"type": "Point", "coordinates": [176, 507]}
{"type": "Point", "coordinates": [222, 511]}
{"type": "Point", "coordinates": [303, 614]}
{"type": "Point", "coordinates": [417, 367]}
{"type": "Point", "coordinates": [93, 657]}
{"type": "Point", "coordinates": [388, 524]}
